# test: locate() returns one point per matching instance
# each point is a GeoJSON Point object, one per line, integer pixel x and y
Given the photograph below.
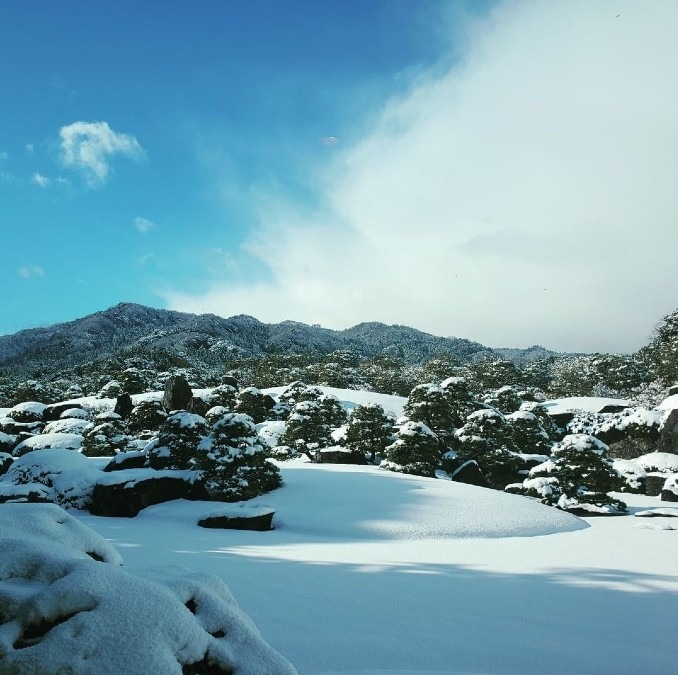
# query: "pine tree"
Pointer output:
{"type": "Point", "coordinates": [529, 437]}
{"type": "Point", "coordinates": [307, 430]}
{"type": "Point", "coordinates": [147, 415]}
{"type": "Point", "coordinates": [370, 430]}
{"type": "Point", "coordinates": [233, 461]}
{"type": "Point", "coordinates": [431, 404]}
{"type": "Point", "coordinates": [252, 402]}
{"type": "Point", "coordinates": [180, 436]}
{"type": "Point", "coordinates": [106, 436]}
{"type": "Point", "coordinates": [335, 414]}
{"type": "Point", "coordinates": [487, 438]}
{"type": "Point", "coordinates": [584, 475]}
{"type": "Point", "coordinates": [416, 450]}
{"type": "Point", "coordinates": [505, 399]}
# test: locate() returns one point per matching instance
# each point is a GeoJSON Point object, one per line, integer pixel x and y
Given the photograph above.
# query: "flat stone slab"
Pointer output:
{"type": "Point", "coordinates": [657, 513]}
{"type": "Point", "coordinates": [239, 517]}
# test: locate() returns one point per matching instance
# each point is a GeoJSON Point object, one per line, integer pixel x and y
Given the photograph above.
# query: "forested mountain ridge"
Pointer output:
{"type": "Point", "coordinates": [133, 327]}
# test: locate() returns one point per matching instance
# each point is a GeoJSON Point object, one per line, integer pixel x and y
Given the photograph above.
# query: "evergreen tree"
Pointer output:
{"type": "Point", "coordinates": [432, 405]}
{"type": "Point", "coordinates": [146, 415]}
{"type": "Point", "coordinates": [180, 436]}
{"type": "Point", "coordinates": [335, 414]}
{"type": "Point", "coordinates": [105, 436]}
{"type": "Point", "coordinates": [583, 476]}
{"type": "Point", "coordinates": [233, 461]}
{"type": "Point", "coordinates": [416, 450]}
{"type": "Point", "coordinates": [370, 430]}
{"type": "Point", "coordinates": [252, 402]}
{"type": "Point", "coordinates": [224, 395]}
{"type": "Point", "coordinates": [505, 399]}
{"type": "Point", "coordinates": [487, 438]}
{"type": "Point", "coordinates": [307, 430]}
{"type": "Point", "coordinates": [529, 436]}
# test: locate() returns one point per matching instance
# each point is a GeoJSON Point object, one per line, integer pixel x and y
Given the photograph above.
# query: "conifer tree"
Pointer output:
{"type": "Point", "coordinates": [370, 430]}
{"type": "Point", "coordinates": [416, 450]}
{"type": "Point", "coordinates": [233, 461]}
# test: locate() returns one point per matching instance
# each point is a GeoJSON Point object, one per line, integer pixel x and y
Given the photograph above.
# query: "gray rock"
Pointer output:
{"type": "Point", "coordinates": [177, 394]}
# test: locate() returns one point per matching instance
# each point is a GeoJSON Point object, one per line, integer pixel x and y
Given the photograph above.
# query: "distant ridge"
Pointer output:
{"type": "Point", "coordinates": [129, 326]}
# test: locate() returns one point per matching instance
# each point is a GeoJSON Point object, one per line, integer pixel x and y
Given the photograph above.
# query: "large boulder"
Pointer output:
{"type": "Point", "coordinates": [125, 493]}
{"type": "Point", "coordinates": [668, 433]}
{"type": "Point", "coordinates": [177, 393]}
{"type": "Point", "coordinates": [239, 517]}
{"type": "Point", "coordinates": [55, 410]}
{"type": "Point", "coordinates": [123, 405]}
{"type": "Point", "coordinates": [670, 489]}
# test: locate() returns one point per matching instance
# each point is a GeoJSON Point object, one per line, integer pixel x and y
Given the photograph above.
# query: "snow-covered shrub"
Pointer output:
{"type": "Point", "coordinates": [292, 392]}
{"type": "Point", "coordinates": [488, 438]}
{"type": "Point", "coordinates": [148, 415]}
{"type": "Point", "coordinates": [505, 399]}
{"type": "Point", "coordinates": [432, 405]}
{"type": "Point", "coordinates": [252, 402]}
{"type": "Point", "coordinates": [178, 440]}
{"type": "Point", "coordinates": [307, 430]}
{"type": "Point", "coordinates": [28, 412]}
{"type": "Point", "coordinates": [658, 462]}
{"type": "Point", "coordinates": [61, 476]}
{"type": "Point", "coordinates": [111, 389]}
{"type": "Point", "coordinates": [370, 430]}
{"type": "Point", "coordinates": [105, 436]}
{"type": "Point", "coordinates": [416, 450]}
{"type": "Point", "coordinates": [541, 413]}
{"type": "Point", "coordinates": [233, 460]}
{"type": "Point", "coordinates": [335, 414]}
{"type": "Point", "coordinates": [8, 442]}
{"type": "Point", "coordinates": [585, 476]}
{"type": "Point", "coordinates": [224, 395]}
{"type": "Point", "coordinates": [529, 436]}
{"type": "Point", "coordinates": [64, 441]}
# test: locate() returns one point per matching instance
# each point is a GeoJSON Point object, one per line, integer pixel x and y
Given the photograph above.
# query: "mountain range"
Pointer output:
{"type": "Point", "coordinates": [129, 326]}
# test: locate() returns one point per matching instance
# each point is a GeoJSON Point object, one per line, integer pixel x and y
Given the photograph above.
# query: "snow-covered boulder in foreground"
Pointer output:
{"type": "Point", "coordinates": [66, 605]}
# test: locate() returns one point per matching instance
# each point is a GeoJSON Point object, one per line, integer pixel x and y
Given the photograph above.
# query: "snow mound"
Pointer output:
{"type": "Point", "coordinates": [362, 502]}
{"type": "Point", "coordinates": [662, 462]}
{"type": "Point", "coordinates": [350, 398]}
{"type": "Point", "coordinates": [54, 440]}
{"type": "Point", "coordinates": [67, 606]}
{"type": "Point", "coordinates": [591, 404]}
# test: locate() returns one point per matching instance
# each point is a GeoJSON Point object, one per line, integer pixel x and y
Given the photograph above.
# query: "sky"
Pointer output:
{"type": "Point", "coordinates": [499, 170]}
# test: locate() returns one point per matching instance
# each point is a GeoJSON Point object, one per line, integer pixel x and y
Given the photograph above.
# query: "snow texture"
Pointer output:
{"type": "Point", "coordinates": [66, 606]}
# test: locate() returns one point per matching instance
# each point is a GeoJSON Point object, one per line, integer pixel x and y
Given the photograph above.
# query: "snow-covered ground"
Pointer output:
{"type": "Point", "coordinates": [374, 572]}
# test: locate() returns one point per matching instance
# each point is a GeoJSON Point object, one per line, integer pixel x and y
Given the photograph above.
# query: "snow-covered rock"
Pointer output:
{"type": "Point", "coordinates": [66, 605]}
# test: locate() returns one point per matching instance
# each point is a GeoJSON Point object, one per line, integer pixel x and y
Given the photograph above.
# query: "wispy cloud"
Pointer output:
{"type": "Point", "coordinates": [525, 195]}
{"type": "Point", "coordinates": [39, 179]}
{"type": "Point", "coordinates": [143, 224]}
{"type": "Point", "coordinates": [90, 146]}
{"type": "Point", "coordinates": [31, 271]}
{"type": "Point", "coordinates": [4, 155]}
{"type": "Point", "coordinates": [329, 140]}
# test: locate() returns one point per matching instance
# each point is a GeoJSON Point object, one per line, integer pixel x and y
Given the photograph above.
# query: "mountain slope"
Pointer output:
{"type": "Point", "coordinates": [129, 326]}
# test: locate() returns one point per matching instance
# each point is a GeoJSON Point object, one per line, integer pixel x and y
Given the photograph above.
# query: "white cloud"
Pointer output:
{"type": "Point", "coordinates": [90, 146]}
{"type": "Point", "coordinates": [4, 155]}
{"type": "Point", "coordinates": [30, 148]}
{"type": "Point", "coordinates": [330, 140]}
{"type": "Point", "coordinates": [40, 180]}
{"type": "Point", "coordinates": [528, 195]}
{"type": "Point", "coordinates": [143, 224]}
{"type": "Point", "coordinates": [31, 271]}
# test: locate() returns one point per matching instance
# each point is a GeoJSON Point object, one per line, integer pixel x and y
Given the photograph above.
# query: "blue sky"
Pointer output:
{"type": "Point", "coordinates": [476, 169]}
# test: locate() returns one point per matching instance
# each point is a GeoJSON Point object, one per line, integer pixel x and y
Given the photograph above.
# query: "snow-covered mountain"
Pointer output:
{"type": "Point", "coordinates": [131, 326]}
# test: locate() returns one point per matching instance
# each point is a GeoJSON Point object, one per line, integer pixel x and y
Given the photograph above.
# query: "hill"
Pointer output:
{"type": "Point", "coordinates": [129, 327]}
